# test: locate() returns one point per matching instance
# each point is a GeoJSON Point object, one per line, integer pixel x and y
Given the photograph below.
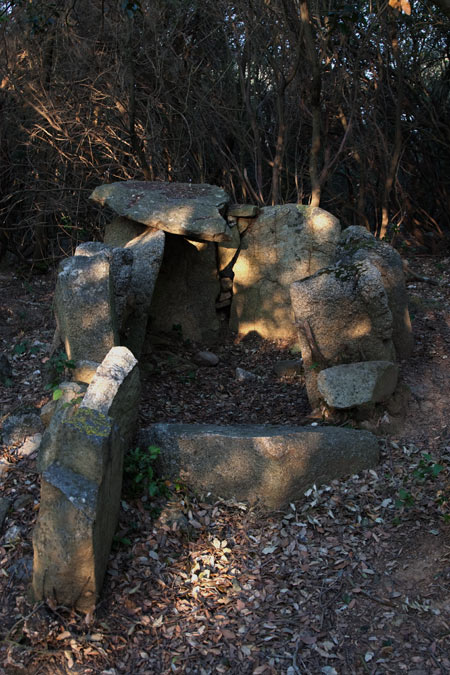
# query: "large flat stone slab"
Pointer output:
{"type": "Point", "coordinates": [190, 209]}
{"type": "Point", "coordinates": [270, 464]}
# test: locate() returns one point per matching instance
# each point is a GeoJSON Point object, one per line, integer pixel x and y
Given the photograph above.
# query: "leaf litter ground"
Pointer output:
{"type": "Point", "coordinates": [352, 578]}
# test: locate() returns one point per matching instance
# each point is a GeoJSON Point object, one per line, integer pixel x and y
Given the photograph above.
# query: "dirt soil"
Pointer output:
{"type": "Point", "coordinates": [354, 577]}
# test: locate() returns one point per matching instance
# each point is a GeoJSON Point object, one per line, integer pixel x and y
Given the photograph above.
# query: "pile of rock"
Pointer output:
{"type": "Point", "coordinates": [353, 312]}
{"type": "Point", "coordinates": [181, 255]}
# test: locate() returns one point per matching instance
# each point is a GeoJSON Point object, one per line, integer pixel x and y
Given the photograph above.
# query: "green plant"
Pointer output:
{"type": "Point", "coordinates": [139, 473]}
{"type": "Point", "coordinates": [405, 499]}
{"type": "Point", "coordinates": [57, 367]}
{"type": "Point", "coordinates": [427, 469]}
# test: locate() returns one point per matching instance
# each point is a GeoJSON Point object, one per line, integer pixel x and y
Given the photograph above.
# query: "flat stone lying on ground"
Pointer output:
{"type": "Point", "coordinates": [357, 384]}
{"type": "Point", "coordinates": [269, 464]}
{"type": "Point", "coordinates": [81, 465]}
{"type": "Point", "coordinates": [189, 209]}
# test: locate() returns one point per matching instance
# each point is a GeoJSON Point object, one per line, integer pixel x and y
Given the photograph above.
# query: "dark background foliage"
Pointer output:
{"type": "Point", "coordinates": [346, 105]}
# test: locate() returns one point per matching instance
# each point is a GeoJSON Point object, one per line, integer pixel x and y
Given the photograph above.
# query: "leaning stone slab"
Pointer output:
{"type": "Point", "coordinates": [134, 269]}
{"type": "Point", "coordinates": [281, 245]}
{"type": "Point", "coordinates": [84, 307]}
{"type": "Point", "coordinates": [192, 210]}
{"type": "Point", "coordinates": [148, 252]}
{"type": "Point", "coordinates": [357, 244]}
{"type": "Point", "coordinates": [81, 485]}
{"type": "Point", "coordinates": [71, 392]}
{"type": "Point", "coordinates": [357, 384]}
{"type": "Point", "coordinates": [343, 316]}
{"type": "Point", "coordinates": [270, 464]}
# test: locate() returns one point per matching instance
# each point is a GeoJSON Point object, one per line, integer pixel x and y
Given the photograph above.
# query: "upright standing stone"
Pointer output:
{"type": "Point", "coordinates": [84, 307]}
{"type": "Point", "coordinates": [81, 486]}
{"type": "Point", "coordinates": [357, 244]}
{"type": "Point", "coordinates": [281, 245]}
{"type": "Point", "coordinates": [148, 251]}
{"type": "Point", "coordinates": [343, 316]}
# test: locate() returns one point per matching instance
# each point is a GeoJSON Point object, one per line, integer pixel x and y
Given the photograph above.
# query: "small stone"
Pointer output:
{"type": "Point", "coordinates": [18, 427]}
{"type": "Point", "coordinates": [206, 359]}
{"type": "Point", "coordinates": [30, 446]}
{"type": "Point", "coordinates": [12, 535]}
{"type": "Point", "coordinates": [245, 375]}
{"type": "Point", "coordinates": [288, 368]}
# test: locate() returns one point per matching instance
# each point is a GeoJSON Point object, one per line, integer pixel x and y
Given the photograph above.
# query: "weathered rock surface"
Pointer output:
{"type": "Point", "coordinates": [115, 391]}
{"type": "Point", "coordinates": [356, 384]}
{"type": "Point", "coordinates": [70, 392]}
{"type": "Point", "coordinates": [122, 230]}
{"type": "Point", "coordinates": [120, 262]}
{"type": "Point", "coordinates": [84, 371]}
{"type": "Point", "coordinates": [357, 244]}
{"type": "Point", "coordinates": [343, 316]}
{"type": "Point", "coordinates": [192, 210]}
{"type": "Point", "coordinates": [205, 359]}
{"type": "Point", "coordinates": [148, 251]}
{"type": "Point", "coordinates": [185, 291]}
{"type": "Point", "coordinates": [16, 428]}
{"type": "Point", "coordinates": [243, 210]}
{"type": "Point", "coordinates": [288, 367]}
{"type": "Point", "coordinates": [134, 269]}
{"type": "Point", "coordinates": [84, 306]}
{"type": "Point", "coordinates": [280, 246]}
{"type": "Point", "coordinates": [271, 464]}
{"type": "Point", "coordinates": [81, 485]}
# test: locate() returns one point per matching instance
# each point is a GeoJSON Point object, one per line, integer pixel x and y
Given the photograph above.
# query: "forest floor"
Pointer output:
{"type": "Point", "coordinates": [352, 578]}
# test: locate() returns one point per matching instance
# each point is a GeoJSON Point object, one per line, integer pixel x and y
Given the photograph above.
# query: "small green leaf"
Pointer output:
{"type": "Point", "coordinates": [57, 393]}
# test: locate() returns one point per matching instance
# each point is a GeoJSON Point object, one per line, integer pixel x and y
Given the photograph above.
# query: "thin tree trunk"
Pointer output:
{"type": "Point", "coordinates": [316, 87]}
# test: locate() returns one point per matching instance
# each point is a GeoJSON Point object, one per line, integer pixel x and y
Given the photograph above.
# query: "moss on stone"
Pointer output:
{"type": "Point", "coordinates": [91, 422]}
